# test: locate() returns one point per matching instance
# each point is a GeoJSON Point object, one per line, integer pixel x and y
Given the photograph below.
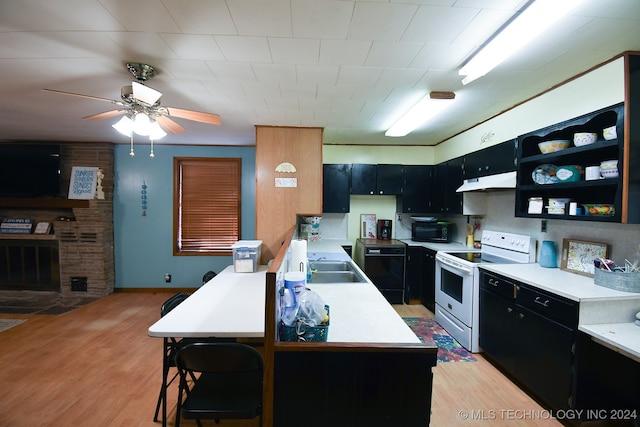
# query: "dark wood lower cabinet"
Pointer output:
{"type": "Point", "coordinates": [530, 335]}
{"type": "Point", "coordinates": [353, 387]}
{"type": "Point", "coordinates": [607, 382]}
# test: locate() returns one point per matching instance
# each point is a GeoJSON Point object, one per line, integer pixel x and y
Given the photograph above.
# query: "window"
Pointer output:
{"type": "Point", "coordinates": [206, 203]}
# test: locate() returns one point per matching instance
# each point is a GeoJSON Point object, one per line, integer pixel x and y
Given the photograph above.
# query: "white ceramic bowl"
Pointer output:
{"type": "Point", "coordinates": [609, 173]}
{"type": "Point", "coordinates": [553, 146]}
{"type": "Point", "coordinates": [584, 138]}
{"type": "Point", "coordinates": [609, 164]}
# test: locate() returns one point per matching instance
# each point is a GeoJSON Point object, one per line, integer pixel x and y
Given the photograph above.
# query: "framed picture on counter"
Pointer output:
{"type": "Point", "coordinates": [577, 256]}
{"type": "Point", "coordinates": [368, 226]}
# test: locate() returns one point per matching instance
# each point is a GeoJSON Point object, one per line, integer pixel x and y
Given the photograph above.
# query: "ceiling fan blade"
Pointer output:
{"type": "Point", "coordinates": [197, 116]}
{"type": "Point", "coordinates": [83, 96]}
{"type": "Point", "coordinates": [145, 94]}
{"type": "Point", "coordinates": [105, 115]}
{"type": "Point", "coordinates": [169, 125]}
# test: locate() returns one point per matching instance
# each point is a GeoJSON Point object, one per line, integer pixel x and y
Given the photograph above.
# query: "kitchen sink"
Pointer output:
{"type": "Point", "coordinates": [336, 277]}
{"type": "Point", "coordinates": [331, 265]}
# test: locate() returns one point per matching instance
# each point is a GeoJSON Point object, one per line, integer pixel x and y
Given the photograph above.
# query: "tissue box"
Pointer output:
{"type": "Point", "coordinates": [246, 255]}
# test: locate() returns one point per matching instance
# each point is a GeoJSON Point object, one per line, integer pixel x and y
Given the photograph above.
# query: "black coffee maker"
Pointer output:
{"type": "Point", "coordinates": [384, 229]}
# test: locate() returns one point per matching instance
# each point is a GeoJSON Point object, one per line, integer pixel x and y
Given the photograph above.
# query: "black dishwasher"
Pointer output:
{"type": "Point", "coordinates": [383, 261]}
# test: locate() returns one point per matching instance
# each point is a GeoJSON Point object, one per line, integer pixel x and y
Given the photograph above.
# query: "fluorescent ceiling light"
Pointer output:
{"type": "Point", "coordinates": [427, 108]}
{"type": "Point", "coordinates": [533, 20]}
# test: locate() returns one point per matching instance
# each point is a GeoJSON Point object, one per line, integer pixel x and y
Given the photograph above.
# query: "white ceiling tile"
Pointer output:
{"type": "Point", "coordinates": [244, 49]}
{"type": "Point", "coordinates": [261, 18]}
{"type": "Point", "coordinates": [375, 21]}
{"type": "Point", "coordinates": [275, 73]}
{"type": "Point", "coordinates": [359, 76]}
{"type": "Point", "coordinates": [321, 19]}
{"type": "Point", "coordinates": [392, 54]}
{"type": "Point", "coordinates": [201, 16]}
{"type": "Point", "coordinates": [400, 77]}
{"type": "Point", "coordinates": [142, 47]}
{"type": "Point", "coordinates": [197, 47]}
{"type": "Point", "coordinates": [232, 71]}
{"type": "Point", "coordinates": [438, 24]}
{"type": "Point", "coordinates": [185, 70]}
{"type": "Point", "coordinates": [294, 51]}
{"type": "Point", "coordinates": [142, 15]}
{"type": "Point", "coordinates": [316, 75]}
{"type": "Point", "coordinates": [348, 52]}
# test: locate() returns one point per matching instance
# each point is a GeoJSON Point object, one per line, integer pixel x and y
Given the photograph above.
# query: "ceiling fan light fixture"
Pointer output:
{"type": "Point", "coordinates": [427, 108]}
{"type": "Point", "coordinates": [142, 124]}
{"type": "Point", "coordinates": [156, 132]}
{"type": "Point", "coordinates": [124, 126]}
{"type": "Point", "coordinates": [537, 16]}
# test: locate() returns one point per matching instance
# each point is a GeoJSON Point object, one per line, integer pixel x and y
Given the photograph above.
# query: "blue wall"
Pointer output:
{"type": "Point", "coordinates": [143, 244]}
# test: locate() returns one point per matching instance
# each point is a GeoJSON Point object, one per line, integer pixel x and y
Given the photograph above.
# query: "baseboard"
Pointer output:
{"type": "Point", "coordinates": [154, 290]}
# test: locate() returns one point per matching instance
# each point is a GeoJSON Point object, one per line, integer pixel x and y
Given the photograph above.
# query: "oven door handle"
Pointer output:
{"type": "Point", "coordinates": [459, 267]}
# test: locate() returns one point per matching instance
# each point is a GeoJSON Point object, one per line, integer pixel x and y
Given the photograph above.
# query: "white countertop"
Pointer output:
{"type": "Point", "coordinates": [569, 285]}
{"type": "Point", "coordinates": [229, 305]}
{"type": "Point", "coordinates": [360, 313]}
{"type": "Point", "coordinates": [621, 337]}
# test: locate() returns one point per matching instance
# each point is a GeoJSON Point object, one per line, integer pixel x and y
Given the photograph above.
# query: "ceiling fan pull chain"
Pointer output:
{"type": "Point", "coordinates": [131, 153]}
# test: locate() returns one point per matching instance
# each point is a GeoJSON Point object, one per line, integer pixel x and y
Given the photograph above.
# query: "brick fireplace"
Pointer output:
{"type": "Point", "coordinates": [78, 251]}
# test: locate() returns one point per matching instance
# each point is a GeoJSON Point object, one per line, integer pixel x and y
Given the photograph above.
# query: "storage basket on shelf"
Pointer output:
{"type": "Point", "coordinates": [618, 280]}
{"type": "Point", "coordinates": [303, 332]}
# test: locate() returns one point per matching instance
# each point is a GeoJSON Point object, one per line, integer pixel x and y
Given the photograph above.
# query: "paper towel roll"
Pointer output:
{"type": "Point", "coordinates": [298, 256]}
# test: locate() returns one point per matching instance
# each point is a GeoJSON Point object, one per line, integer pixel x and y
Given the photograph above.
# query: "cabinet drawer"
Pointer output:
{"type": "Point", "coordinates": [498, 285]}
{"type": "Point", "coordinates": [553, 307]}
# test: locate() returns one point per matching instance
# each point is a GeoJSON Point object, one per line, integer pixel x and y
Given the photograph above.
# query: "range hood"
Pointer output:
{"type": "Point", "coordinates": [501, 180]}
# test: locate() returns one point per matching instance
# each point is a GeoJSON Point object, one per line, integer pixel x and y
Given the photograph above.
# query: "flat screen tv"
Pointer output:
{"type": "Point", "coordinates": [29, 170]}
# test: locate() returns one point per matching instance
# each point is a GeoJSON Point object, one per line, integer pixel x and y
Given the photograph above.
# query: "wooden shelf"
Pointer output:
{"type": "Point", "coordinates": [11, 236]}
{"type": "Point", "coordinates": [43, 203]}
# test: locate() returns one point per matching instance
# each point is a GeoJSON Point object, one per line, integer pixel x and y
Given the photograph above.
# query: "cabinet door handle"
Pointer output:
{"type": "Point", "coordinates": [544, 304]}
{"type": "Point", "coordinates": [521, 316]}
{"type": "Point", "coordinates": [493, 282]}
{"type": "Point", "coordinates": [509, 309]}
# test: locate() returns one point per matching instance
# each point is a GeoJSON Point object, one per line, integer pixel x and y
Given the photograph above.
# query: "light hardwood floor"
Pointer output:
{"type": "Point", "coordinates": [96, 366]}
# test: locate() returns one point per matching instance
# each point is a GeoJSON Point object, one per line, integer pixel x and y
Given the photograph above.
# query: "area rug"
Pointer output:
{"type": "Point", "coordinates": [9, 323]}
{"type": "Point", "coordinates": [428, 331]}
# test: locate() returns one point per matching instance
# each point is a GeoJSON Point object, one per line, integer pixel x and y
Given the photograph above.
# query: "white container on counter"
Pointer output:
{"type": "Point", "coordinates": [246, 255]}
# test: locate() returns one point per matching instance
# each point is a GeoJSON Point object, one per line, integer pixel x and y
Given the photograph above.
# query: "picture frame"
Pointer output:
{"type": "Point", "coordinates": [368, 226]}
{"type": "Point", "coordinates": [83, 182]}
{"type": "Point", "coordinates": [578, 255]}
{"type": "Point", "coordinates": [42, 228]}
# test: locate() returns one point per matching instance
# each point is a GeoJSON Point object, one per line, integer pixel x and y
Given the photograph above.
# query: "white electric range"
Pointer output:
{"type": "Point", "coordinates": [457, 281]}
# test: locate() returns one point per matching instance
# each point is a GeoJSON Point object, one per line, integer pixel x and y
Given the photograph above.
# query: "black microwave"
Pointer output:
{"type": "Point", "coordinates": [439, 231]}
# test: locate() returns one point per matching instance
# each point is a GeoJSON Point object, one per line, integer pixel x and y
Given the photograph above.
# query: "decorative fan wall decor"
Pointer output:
{"type": "Point", "coordinates": [140, 105]}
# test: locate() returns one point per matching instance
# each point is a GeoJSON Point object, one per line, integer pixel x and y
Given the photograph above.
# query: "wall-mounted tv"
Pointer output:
{"type": "Point", "coordinates": [29, 170]}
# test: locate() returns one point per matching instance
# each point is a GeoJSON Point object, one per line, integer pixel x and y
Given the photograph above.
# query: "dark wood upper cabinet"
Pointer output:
{"type": "Point", "coordinates": [492, 160]}
{"type": "Point", "coordinates": [336, 188]}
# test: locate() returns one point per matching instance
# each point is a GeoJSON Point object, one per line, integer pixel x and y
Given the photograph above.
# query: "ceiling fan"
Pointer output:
{"type": "Point", "coordinates": [141, 106]}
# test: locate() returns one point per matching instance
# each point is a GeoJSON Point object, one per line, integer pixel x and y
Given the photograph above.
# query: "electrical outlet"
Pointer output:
{"type": "Point", "coordinates": [399, 217]}
{"type": "Point", "coordinates": [543, 226]}
{"type": "Point", "coordinates": [167, 278]}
